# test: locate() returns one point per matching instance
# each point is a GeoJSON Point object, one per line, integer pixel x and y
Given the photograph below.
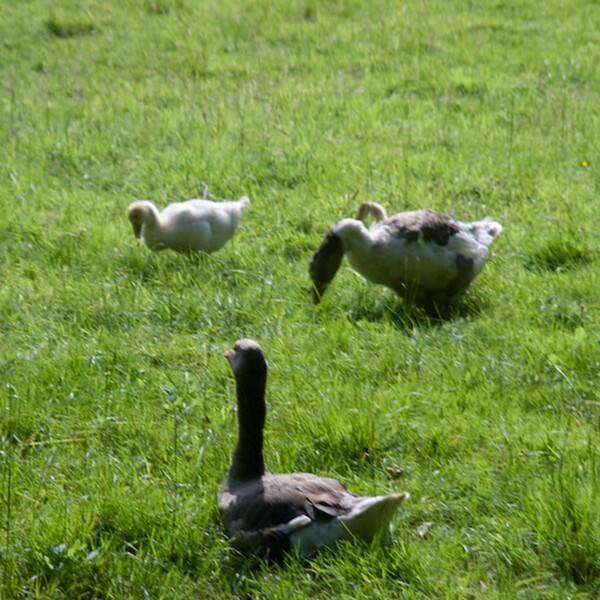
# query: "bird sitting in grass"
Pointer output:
{"type": "Point", "coordinates": [269, 513]}
{"type": "Point", "coordinates": [425, 256]}
{"type": "Point", "coordinates": [191, 226]}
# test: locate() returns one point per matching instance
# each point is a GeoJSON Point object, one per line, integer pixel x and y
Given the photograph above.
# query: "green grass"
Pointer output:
{"type": "Point", "coordinates": [117, 409]}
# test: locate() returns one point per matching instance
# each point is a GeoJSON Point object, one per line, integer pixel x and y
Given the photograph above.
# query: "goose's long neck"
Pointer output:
{"type": "Point", "coordinates": [152, 217]}
{"type": "Point", "coordinates": [353, 234]}
{"type": "Point", "coordinates": [248, 455]}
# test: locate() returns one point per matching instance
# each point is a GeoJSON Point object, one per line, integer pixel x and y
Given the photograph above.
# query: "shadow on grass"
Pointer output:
{"type": "Point", "coordinates": [406, 317]}
{"type": "Point", "coordinates": [335, 571]}
{"type": "Point", "coordinates": [64, 29]}
{"type": "Point", "coordinates": [560, 254]}
{"type": "Point", "coordinates": [171, 268]}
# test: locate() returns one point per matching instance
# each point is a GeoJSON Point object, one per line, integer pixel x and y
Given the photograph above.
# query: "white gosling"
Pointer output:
{"type": "Point", "coordinates": [191, 226]}
{"type": "Point", "coordinates": [425, 256]}
{"type": "Point", "coordinates": [270, 514]}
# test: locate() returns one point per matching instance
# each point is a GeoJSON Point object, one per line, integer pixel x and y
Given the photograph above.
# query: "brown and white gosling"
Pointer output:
{"type": "Point", "coordinates": [269, 513]}
{"type": "Point", "coordinates": [425, 256]}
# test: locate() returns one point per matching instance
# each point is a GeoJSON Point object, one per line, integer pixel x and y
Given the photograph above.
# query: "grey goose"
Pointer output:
{"type": "Point", "coordinates": [269, 513]}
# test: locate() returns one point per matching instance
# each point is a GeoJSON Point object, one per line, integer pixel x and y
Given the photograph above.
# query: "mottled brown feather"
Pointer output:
{"type": "Point", "coordinates": [427, 225]}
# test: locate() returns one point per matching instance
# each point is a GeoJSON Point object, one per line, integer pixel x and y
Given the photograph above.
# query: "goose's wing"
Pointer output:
{"type": "Point", "coordinates": [261, 514]}
{"type": "Point", "coordinates": [425, 225]}
{"type": "Point", "coordinates": [277, 499]}
{"type": "Point", "coordinates": [318, 497]}
{"type": "Point", "coordinates": [179, 213]}
{"type": "Point", "coordinates": [205, 209]}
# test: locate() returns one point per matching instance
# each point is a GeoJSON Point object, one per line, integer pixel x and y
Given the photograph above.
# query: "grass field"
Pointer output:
{"type": "Point", "coordinates": [117, 408]}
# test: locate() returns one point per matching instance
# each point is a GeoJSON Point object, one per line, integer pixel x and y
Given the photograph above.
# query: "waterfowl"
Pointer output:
{"type": "Point", "coordinates": [425, 256]}
{"type": "Point", "coordinates": [269, 513]}
{"type": "Point", "coordinates": [194, 225]}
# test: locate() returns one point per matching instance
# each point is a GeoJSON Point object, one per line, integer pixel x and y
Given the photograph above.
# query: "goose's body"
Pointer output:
{"type": "Point", "coordinates": [266, 512]}
{"type": "Point", "coordinates": [191, 226]}
{"type": "Point", "coordinates": [424, 255]}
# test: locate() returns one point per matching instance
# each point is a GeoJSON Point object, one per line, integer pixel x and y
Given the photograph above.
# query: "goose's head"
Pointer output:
{"type": "Point", "coordinates": [325, 263]}
{"type": "Point", "coordinates": [247, 360]}
{"type": "Point", "coordinates": [372, 209]}
{"type": "Point", "coordinates": [138, 213]}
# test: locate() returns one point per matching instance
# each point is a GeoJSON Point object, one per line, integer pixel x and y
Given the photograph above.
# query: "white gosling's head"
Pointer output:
{"type": "Point", "coordinates": [138, 213]}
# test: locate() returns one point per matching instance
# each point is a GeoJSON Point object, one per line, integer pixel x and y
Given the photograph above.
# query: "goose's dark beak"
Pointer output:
{"type": "Point", "coordinates": [318, 288]}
